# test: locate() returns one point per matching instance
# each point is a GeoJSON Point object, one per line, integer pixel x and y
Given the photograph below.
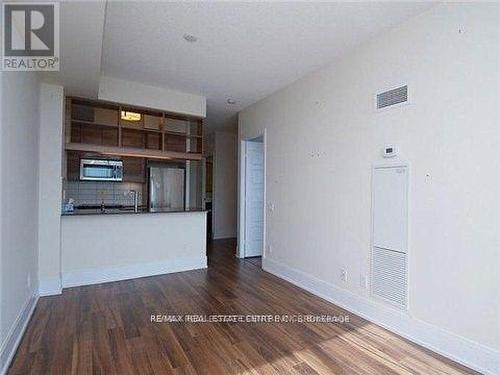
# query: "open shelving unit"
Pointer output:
{"type": "Point", "coordinates": [99, 127]}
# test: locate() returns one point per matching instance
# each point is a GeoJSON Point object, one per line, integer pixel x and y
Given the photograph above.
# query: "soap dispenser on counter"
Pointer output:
{"type": "Point", "coordinates": [69, 207]}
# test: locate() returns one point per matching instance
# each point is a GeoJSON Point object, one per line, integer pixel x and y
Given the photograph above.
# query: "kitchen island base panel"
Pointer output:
{"type": "Point", "coordinates": [133, 271]}
{"type": "Point", "coordinates": [105, 248]}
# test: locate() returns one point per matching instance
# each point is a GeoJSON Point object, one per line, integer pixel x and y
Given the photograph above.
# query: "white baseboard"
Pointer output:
{"type": "Point", "coordinates": [13, 338]}
{"type": "Point", "coordinates": [49, 287]}
{"type": "Point", "coordinates": [104, 275]}
{"type": "Point", "coordinates": [460, 349]}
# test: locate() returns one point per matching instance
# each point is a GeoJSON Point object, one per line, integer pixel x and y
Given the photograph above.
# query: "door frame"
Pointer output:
{"type": "Point", "coordinates": [240, 253]}
{"type": "Point", "coordinates": [206, 160]}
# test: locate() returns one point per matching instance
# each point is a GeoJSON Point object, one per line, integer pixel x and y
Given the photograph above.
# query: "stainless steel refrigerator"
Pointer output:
{"type": "Point", "coordinates": [166, 188]}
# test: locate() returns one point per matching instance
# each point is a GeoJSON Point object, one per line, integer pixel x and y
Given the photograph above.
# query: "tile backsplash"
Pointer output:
{"type": "Point", "coordinates": [94, 192]}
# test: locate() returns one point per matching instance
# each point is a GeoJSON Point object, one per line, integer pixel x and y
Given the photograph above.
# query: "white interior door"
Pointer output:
{"type": "Point", "coordinates": [254, 199]}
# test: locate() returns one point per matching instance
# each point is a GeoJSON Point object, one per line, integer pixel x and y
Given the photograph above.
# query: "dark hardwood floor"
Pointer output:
{"type": "Point", "coordinates": [107, 329]}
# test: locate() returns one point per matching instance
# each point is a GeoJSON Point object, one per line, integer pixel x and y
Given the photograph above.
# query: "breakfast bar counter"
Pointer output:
{"type": "Point", "coordinates": [127, 211]}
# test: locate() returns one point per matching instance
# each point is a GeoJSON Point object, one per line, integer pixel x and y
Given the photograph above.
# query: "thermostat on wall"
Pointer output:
{"type": "Point", "coordinates": [389, 151]}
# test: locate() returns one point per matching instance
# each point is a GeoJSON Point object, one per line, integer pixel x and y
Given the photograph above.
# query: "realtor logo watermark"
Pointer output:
{"type": "Point", "coordinates": [30, 36]}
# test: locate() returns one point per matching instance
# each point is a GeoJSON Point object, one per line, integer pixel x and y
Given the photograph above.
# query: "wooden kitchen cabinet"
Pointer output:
{"type": "Point", "coordinates": [106, 116]}
{"type": "Point", "coordinates": [72, 166]}
{"type": "Point", "coordinates": [152, 122]}
{"type": "Point", "coordinates": [134, 170]}
{"type": "Point", "coordinates": [175, 143]}
{"type": "Point", "coordinates": [154, 141]}
{"type": "Point", "coordinates": [133, 138]}
{"type": "Point", "coordinates": [101, 127]}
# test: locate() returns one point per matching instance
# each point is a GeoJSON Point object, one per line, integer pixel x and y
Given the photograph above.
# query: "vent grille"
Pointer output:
{"type": "Point", "coordinates": [389, 276]}
{"type": "Point", "coordinates": [392, 97]}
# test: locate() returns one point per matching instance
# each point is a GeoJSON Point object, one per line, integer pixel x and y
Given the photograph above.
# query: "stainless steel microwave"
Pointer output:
{"type": "Point", "coordinates": [101, 170]}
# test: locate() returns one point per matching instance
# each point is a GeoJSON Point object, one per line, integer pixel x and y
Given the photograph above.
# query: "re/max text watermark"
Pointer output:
{"type": "Point", "coordinates": [249, 318]}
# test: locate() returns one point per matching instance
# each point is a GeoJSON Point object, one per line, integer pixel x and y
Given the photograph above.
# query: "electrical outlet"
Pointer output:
{"type": "Point", "coordinates": [363, 281]}
{"type": "Point", "coordinates": [343, 275]}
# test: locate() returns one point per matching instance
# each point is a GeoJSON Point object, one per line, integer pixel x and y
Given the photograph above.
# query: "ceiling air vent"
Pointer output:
{"type": "Point", "coordinates": [392, 97]}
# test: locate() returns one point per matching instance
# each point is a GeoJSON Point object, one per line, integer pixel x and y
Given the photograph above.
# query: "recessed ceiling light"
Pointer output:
{"type": "Point", "coordinates": [231, 101]}
{"type": "Point", "coordinates": [190, 38]}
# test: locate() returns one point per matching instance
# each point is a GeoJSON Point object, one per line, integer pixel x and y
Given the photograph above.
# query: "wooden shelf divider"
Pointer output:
{"type": "Point", "coordinates": [133, 152]}
{"type": "Point", "coordinates": [90, 127]}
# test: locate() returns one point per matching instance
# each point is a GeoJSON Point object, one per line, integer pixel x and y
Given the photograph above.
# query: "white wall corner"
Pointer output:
{"type": "Point", "coordinates": [224, 199]}
{"type": "Point", "coordinates": [238, 253]}
{"type": "Point", "coordinates": [50, 188]}
{"type": "Point", "coordinates": [50, 287]}
{"type": "Point", "coordinates": [14, 336]}
{"type": "Point", "coordinates": [460, 349]}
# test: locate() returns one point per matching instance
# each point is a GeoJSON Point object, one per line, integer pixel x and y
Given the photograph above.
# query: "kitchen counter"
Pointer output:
{"type": "Point", "coordinates": [125, 211]}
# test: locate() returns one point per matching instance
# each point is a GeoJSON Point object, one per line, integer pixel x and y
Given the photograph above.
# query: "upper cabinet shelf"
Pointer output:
{"type": "Point", "coordinates": [106, 127]}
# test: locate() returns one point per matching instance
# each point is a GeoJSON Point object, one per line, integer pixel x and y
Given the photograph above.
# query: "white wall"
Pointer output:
{"type": "Point", "coordinates": [1, 216]}
{"type": "Point", "coordinates": [50, 185]}
{"type": "Point", "coordinates": [323, 136]}
{"type": "Point", "coordinates": [19, 137]}
{"type": "Point", "coordinates": [135, 93]}
{"type": "Point", "coordinates": [114, 247]}
{"type": "Point", "coordinates": [225, 185]}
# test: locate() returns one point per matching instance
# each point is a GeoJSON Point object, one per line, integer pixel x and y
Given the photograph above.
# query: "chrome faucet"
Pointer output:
{"type": "Point", "coordinates": [135, 195]}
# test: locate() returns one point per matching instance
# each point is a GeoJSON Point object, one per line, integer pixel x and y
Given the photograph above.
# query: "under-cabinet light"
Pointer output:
{"type": "Point", "coordinates": [130, 116]}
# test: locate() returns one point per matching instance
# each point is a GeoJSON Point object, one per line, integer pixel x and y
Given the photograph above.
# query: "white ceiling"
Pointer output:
{"type": "Point", "coordinates": [81, 33]}
{"type": "Point", "coordinates": [245, 51]}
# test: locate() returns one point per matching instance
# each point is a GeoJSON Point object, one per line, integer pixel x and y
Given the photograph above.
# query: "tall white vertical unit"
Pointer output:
{"type": "Point", "coordinates": [254, 199]}
{"type": "Point", "coordinates": [389, 261]}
